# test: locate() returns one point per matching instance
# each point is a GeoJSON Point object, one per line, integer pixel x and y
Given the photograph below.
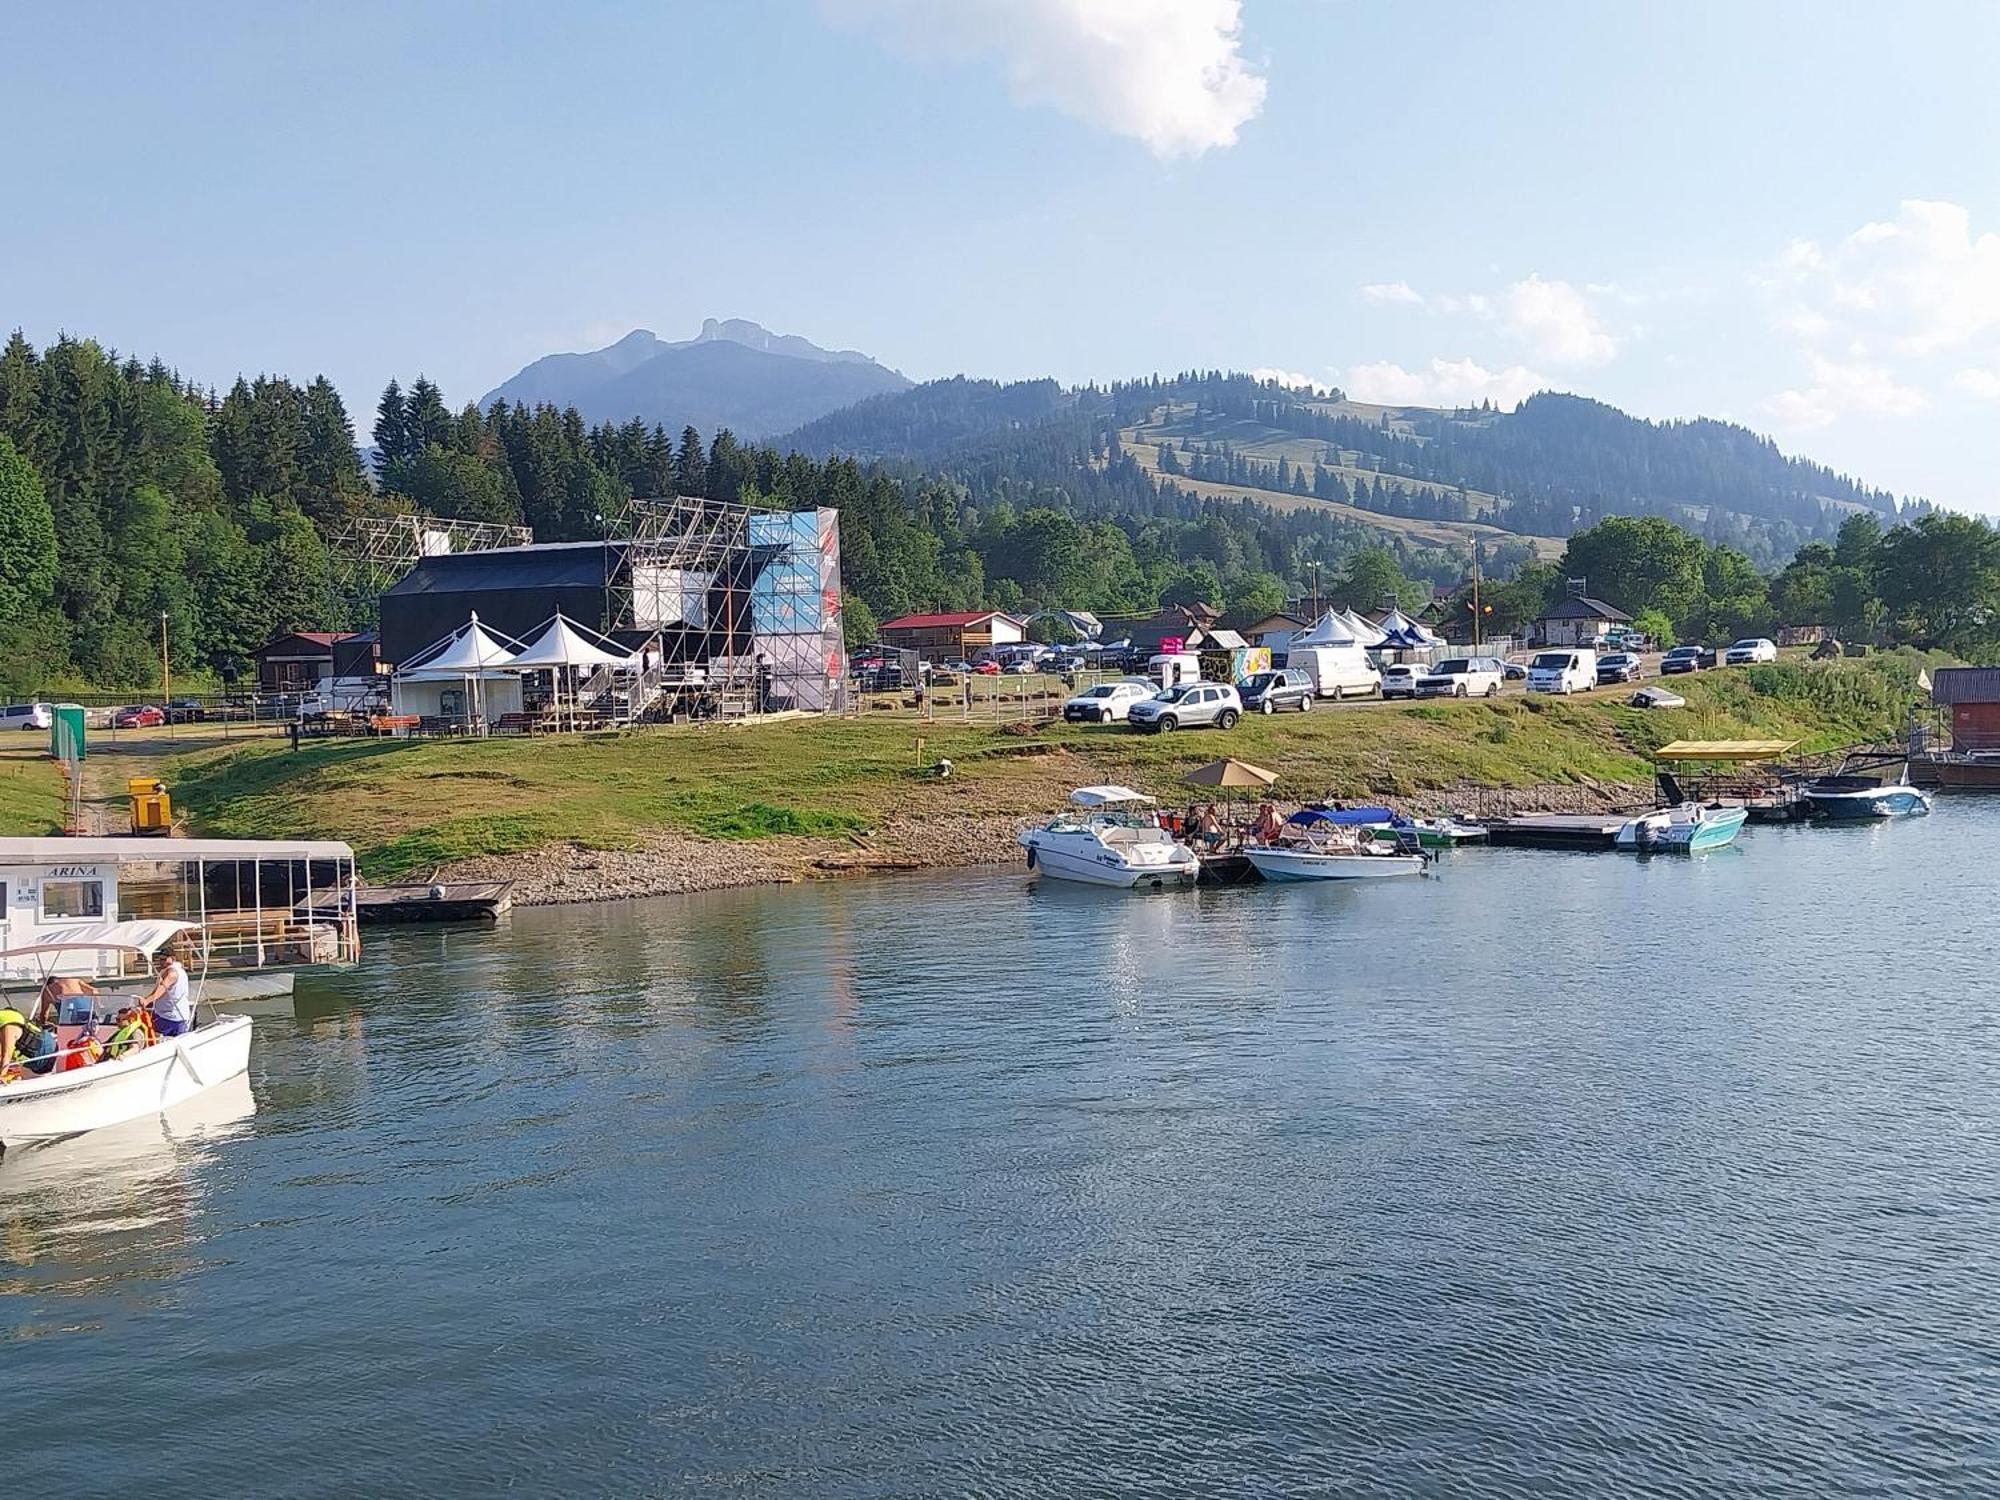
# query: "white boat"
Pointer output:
{"type": "Point", "coordinates": [70, 1100]}
{"type": "Point", "coordinates": [1103, 839]}
{"type": "Point", "coordinates": [1286, 862]}
{"type": "Point", "coordinates": [1336, 844]}
{"type": "Point", "coordinates": [1684, 829]}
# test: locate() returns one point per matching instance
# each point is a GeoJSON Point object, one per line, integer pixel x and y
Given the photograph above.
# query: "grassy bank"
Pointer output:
{"type": "Point", "coordinates": [31, 788]}
{"type": "Point", "coordinates": [412, 806]}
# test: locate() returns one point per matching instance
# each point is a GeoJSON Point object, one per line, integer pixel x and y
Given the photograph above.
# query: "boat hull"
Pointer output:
{"type": "Point", "coordinates": [1670, 833]}
{"type": "Point", "coordinates": [1289, 865]}
{"type": "Point", "coordinates": [171, 1071]}
{"type": "Point", "coordinates": [1095, 867]}
{"type": "Point", "coordinates": [1859, 807]}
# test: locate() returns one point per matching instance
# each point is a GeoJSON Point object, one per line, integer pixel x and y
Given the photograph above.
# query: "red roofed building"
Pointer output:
{"type": "Point", "coordinates": [942, 636]}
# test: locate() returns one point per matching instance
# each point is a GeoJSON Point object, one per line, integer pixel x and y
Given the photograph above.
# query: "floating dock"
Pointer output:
{"type": "Point", "coordinates": [1555, 831]}
{"type": "Point", "coordinates": [468, 901]}
{"type": "Point", "coordinates": [1228, 869]}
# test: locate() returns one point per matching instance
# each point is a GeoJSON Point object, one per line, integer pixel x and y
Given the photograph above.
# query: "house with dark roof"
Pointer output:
{"type": "Point", "coordinates": [1577, 619]}
{"type": "Point", "coordinates": [297, 660]}
{"type": "Point", "coordinates": [1188, 625]}
{"type": "Point", "coordinates": [954, 634]}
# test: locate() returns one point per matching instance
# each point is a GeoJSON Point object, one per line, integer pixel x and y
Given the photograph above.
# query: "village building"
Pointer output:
{"type": "Point", "coordinates": [296, 661]}
{"type": "Point", "coordinates": [1577, 619]}
{"type": "Point", "coordinates": [953, 635]}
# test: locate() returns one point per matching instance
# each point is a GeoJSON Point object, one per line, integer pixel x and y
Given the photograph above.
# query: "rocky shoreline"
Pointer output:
{"type": "Point", "coordinates": [674, 864]}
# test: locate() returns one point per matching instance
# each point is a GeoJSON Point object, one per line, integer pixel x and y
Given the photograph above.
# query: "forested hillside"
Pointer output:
{"type": "Point", "coordinates": [1556, 464]}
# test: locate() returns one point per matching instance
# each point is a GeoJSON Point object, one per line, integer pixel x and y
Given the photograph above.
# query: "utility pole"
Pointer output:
{"type": "Point", "coordinates": [1476, 621]}
{"type": "Point", "coordinates": [166, 676]}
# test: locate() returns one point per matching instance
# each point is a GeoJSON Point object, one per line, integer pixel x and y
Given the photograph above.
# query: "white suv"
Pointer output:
{"type": "Point", "coordinates": [1108, 701]}
{"type": "Point", "coordinates": [1188, 706]}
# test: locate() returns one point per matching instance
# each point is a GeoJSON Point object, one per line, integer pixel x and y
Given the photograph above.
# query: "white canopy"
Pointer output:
{"type": "Point", "coordinates": [1330, 629]}
{"type": "Point", "coordinates": [468, 650]}
{"type": "Point", "coordinates": [1102, 796]}
{"type": "Point", "coordinates": [561, 644]}
{"type": "Point", "coordinates": [146, 936]}
{"type": "Point", "coordinates": [1365, 631]}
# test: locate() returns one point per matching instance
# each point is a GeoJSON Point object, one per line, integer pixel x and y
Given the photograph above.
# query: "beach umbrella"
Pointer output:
{"type": "Point", "coordinates": [1230, 772]}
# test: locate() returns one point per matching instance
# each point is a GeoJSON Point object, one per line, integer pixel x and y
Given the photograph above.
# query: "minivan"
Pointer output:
{"type": "Point", "coordinates": [25, 716]}
{"type": "Point", "coordinates": [1335, 671]}
{"type": "Point", "coordinates": [1563, 670]}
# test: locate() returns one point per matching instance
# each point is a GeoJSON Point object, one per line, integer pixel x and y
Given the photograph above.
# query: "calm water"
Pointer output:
{"type": "Point", "coordinates": [1556, 1175]}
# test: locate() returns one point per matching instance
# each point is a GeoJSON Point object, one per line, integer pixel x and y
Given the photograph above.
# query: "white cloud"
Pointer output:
{"type": "Point", "coordinates": [1558, 321]}
{"type": "Point", "coordinates": [1985, 384]}
{"type": "Point", "coordinates": [1921, 283]}
{"type": "Point", "coordinates": [1836, 389]}
{"type": "Point", "coordinates": [1170, 73]}
{"type": "Point", "coordinates": [1393, 292]}
{"type": "Point", "coordinates": [1292, 379]}
{"type": "Point", "coordinates": [1447, 382]}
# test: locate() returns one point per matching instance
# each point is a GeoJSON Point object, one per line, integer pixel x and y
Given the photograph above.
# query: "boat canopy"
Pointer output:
{"type": "Point", "coordinates": [1342, 817]}
{"type": "Point", "coordinates": [1725, 749]}
{"type": "Point", "coordinates": [1105, 796]}
{"type": "Point", "coordinates": [144, 936]}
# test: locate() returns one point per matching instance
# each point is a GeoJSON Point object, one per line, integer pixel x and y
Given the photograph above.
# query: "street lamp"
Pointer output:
{"type": "Point", "coordinates": [166, 677]}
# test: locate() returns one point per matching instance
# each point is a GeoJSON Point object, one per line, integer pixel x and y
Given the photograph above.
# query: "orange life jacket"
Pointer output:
{"type": "Point", "coordinates": [83, 1053]}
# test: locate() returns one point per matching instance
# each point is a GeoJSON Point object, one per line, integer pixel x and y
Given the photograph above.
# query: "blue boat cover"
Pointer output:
{"type": "Point", "coordinates": [1346, 817]}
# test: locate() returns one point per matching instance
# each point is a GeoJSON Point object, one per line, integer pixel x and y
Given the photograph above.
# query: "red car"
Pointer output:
{"type": "Point", "coordinates": [145, 716]}
{"type": "Point", "coordinates": [988, 669]}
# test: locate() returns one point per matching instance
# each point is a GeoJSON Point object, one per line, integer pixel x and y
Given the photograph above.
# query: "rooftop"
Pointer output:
{"type": "Point", "coordinates": [1583, 607]}
{"type": "Point", "coordinates": [957, 617]}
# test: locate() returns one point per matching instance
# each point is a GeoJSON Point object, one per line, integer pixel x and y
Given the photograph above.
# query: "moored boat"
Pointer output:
{"type": "Point", "coordinates": [1687, 828]}
{"type": "Point", "coordinates": [1432, 833]}
{"type": "Point", "coordinates": [80, 1091]}
{"type": "Point", "coordinates": [1864, 789]}
{"type": "Point", "coordinates": [1103, 839]}
{"type": "Point", "coordinates": [1335, 844]}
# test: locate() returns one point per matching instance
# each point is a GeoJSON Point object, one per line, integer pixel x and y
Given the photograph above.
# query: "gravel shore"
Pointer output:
{"type": "Point", "coordinates": [670, 863]}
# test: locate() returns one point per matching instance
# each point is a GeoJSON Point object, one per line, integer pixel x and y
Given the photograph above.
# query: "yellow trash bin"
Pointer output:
{"type": "Point", "coordinates": [152, 809]}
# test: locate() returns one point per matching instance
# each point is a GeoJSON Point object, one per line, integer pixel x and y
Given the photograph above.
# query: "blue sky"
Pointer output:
{"type": "Point", "coordinates": [1783, 213]}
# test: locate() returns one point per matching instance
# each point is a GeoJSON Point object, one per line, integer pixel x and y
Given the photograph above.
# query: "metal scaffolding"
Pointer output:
{"type": "Point", "coordinates": [742, 605]}
{"type": "Point", "coordinates": [368, 554]}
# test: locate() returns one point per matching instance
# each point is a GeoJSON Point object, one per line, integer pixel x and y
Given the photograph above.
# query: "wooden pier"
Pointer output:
{"type": "Point", "coordinates": [1555, 831]}
{"type": "Point", "coordinates": [467, 901]}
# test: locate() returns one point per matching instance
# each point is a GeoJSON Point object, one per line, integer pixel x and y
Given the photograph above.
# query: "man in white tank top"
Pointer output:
{"type": "Point", "coordinates": [173, 1010]}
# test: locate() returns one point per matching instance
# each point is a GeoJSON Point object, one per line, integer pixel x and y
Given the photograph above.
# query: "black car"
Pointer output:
{"type": "Point", "coordinates": [1685, 659]}
{"type": "Point", "coordinates": [1618, 666]}
{"type": "Point", "coordinates": [1267, 692]}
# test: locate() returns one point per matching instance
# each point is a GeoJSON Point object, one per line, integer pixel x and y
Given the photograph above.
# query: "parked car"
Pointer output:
{"type": "Point", "coordinates": [186, 711]}
{"type": "Point", "coordinates": [1514, 671]}
{"type": "Point", "coordinates": [1188, 706]}
{"type": "Point", "coordinates": [25, 716]}
{"type": "Point", "coordinates": [1681, 659]}
{"type": "Point", "coordinates": [141, 716]}
{"type": "Point", "coordinates": [1571, 669]}
{"type": "Point", "coordinates": [1107, 703]}
{"type": "Point", "coordinates": [1462, 677]}
{"type": "Point", "coordinates": [1399, 680]}
{"type": "Point", "coordinates": [987, 668]}
{"type": "Point", "coordinates": [1751, 649]}
{"type": "Point", "coordinates": [1619, 666]}
{"type": "Point", "coordinates": [1267, 692]}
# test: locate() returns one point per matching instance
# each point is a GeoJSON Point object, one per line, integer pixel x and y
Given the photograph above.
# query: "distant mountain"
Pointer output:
{"type": "Point", "coordinates": [733, 374]}
{"type": "Point", "coordinates": [1552, 466]}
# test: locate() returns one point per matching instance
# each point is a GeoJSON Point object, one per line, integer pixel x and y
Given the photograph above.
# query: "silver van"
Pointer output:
{"type": "Point", "coordinates": [35, 716]}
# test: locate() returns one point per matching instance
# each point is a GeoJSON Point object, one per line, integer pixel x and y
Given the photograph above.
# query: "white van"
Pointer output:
{"type": "Point", "coordinates": [1564, 669]}
{"type": "Point", "coordinates": [25, 716]}
{"type": "Point", "coordinates": [1336, 671]}
{"type": "Point", "coordinates": [1173, 668]}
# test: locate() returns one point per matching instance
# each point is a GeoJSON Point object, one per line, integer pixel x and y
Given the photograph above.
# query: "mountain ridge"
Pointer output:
{"type": "Point", "coordinates": [734, 373]}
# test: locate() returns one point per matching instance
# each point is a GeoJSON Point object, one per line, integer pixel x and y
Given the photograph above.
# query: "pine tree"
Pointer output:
{"type": "Point", "coordinates": [392, 429]}
{"type": "Point", "coordinates": [425, 418]}
{"type": "Point", "coordinates": [329, 469]}
{"type": "Point", "coordinates": [27, 537]}
{"type": "Point", "coordinates": [691, 465]}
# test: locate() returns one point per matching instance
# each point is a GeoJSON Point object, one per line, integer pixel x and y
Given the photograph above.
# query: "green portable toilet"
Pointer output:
{"type": "Point", "coordinates": [66, 731]}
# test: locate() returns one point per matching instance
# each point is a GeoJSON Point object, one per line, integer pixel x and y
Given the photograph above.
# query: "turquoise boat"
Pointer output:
{"type": "Point", "coordinates": [1686, 829]}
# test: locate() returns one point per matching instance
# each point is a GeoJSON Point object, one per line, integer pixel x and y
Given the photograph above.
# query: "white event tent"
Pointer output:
{"type": "Point", "coordinates": [560, 647]}
{"type": "Point", "coordinates": [482, 662]}
{"type": "Point", "coordinates": [1368, 634]}
{"type": "Point", "coordinates": [1406, 633]}
{"type": "Point", "coordinates": [1330, 629]}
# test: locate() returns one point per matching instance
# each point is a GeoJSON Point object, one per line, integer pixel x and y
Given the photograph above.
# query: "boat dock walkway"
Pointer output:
{"type": "Point", "coordinates": [1555, 831]}
{"type": "Point", "coordinates": [466, 901]}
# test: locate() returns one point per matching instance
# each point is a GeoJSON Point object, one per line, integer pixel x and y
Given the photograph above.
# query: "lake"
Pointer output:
{"type": "Point", "coordinates": [1551, 1175]}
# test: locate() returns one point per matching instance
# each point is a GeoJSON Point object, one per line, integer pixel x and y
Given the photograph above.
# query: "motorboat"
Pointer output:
{"type": "Point", "coordinates": [1864, 788]}
{"type": "Point", "coordinates": [1687, 828]}
{"type": "Point", "coordinates": [1105, 837]}
{"type": "Point", "coordinates": [80, 1091]}
{"type": "Point", "coordinates": [1446, 832]}
{"type": "Point", "coordinates": [1336, 844]}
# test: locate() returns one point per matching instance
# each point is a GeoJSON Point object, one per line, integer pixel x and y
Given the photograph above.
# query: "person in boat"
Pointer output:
{"type": "Point", "coordinates": [56, 989]}
{"type": "Point", "coordinates": [1268, 825]}
{"type": "Point", "coordinates": [24, 1044]}
{"type": "Point", "coordinates": [168, 1000]}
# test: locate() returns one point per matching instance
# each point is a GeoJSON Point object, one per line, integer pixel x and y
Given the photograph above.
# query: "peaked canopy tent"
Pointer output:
{"type": "Point", "coordinates": [1368, 633]}
{"type": "Point", "coordinates": [1405, 634]}
{"type": "Point", "coordinates": [1330, 629]}
{"type": "Point", "coordinates": [482, 661]}
{"type": "Point", "coordinates": [560, 647]}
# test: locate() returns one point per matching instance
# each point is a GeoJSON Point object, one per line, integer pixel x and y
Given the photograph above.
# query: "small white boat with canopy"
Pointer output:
{"type": "Point", "coordinates": [1106, 837]}
{"type": "Point", "coordinates": [103, 1072]}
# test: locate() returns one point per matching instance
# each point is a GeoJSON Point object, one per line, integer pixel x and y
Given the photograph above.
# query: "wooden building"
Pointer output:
{"type": "Point", "coordinates": [948, 636]}
{"type": "Point", "coordinates": [295, 661]}
{"type": "Point", "coordinates": [1972, 697]}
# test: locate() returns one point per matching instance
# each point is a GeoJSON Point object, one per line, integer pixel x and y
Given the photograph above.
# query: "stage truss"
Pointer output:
{"type": "Point", "coordinates": [370, 553]}
{"type": "Point", "coordinates": [742, 604]}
